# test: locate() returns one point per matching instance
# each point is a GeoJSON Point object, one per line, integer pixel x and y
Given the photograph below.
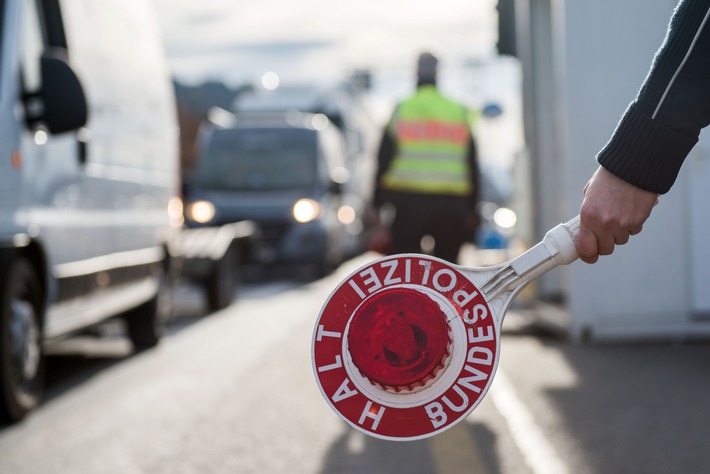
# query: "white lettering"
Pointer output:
{"type": "Point", "coordinates": [357, 289]}
{"type": "Point", "coordinates": [467, 382]}
{"type": "Point", "coordinates": [368, 412]}
{"type": "Point", "coordinates": [427, 268]}
{"type": "Point", "coordinates": [374, 281]}
{"type": "Point", "coordinates": [322, 332]}
{"type": "Point", "coordinates": [452, 280]}
{"type": "Point", "coordinates": [464, 400]}
{"type": "Point", "coordinates": [436, 414]}
{"type": "Point", "coordinates": [407, 271]}
{"type": "Point", "coordinates": [335, 365]}
{"type": "Point", "coordinates": [343, 392]}
{"type": "Point", "coordinates": [488, 356]}
{"type": "Point", "coordinates": [480, 337]}
{"type": "Point", "coordinates": [392, 264]}
{"type": "Point", "coordinates": [479, 311]}
{"type": "Point", "coordinates": [462, 298]}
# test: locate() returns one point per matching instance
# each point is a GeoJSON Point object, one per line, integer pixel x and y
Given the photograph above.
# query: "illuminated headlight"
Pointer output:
{"type": "Point", "coordinates": [200, 211]}
{"type": "Point", "coordinates": [306, 210]}
{"type": "Point", "coordinates": [175, 211]}
{"type": "Point", "coordinates": [505, 218]}
{"type": "Point", "coordinates": [346, 214]}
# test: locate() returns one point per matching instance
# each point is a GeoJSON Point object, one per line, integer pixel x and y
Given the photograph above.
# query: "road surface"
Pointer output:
{"type": "Point", "coordinates": [234, 392]}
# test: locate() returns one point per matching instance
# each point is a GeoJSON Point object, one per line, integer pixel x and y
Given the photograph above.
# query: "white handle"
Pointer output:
{"type": "Point", "coordinates": [558, 247]}
{"type": "Point", "coordinates": [562, 242]}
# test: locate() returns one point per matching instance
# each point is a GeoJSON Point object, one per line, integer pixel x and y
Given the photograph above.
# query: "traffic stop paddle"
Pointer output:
{"type": "Point", "coordinates": [407, 345]}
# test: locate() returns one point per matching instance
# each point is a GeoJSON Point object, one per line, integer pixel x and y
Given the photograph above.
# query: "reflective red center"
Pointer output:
{"type": "Point", "coordinates": [399, 338]}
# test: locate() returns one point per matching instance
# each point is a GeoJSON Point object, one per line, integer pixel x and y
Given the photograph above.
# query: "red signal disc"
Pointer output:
{"type": "Point", "coordinates": [399, 339]}
{"type": "Point", "coordinates": [346, 382]}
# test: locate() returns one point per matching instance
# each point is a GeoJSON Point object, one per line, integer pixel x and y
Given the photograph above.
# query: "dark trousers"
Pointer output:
{"type": "Point", "coordinates": [440, 216]}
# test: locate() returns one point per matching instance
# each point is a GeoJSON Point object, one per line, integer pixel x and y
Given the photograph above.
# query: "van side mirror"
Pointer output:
{"type": "Point", "coordinates": [63, 104]}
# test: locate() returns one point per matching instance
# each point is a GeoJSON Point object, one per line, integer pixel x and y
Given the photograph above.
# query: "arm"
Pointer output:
{"type": "Point", "coordinates": [473, 219]}
{"type": "Point", "coordinates": [474, 172]}
{"type": "Point", "coordinates": [653, 138]}
{"type": "Point", "coordinates": [385, 155]}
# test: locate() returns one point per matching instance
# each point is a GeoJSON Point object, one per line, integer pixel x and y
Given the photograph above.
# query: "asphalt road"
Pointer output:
{"type": "Point", "coordinates": [234, 392]}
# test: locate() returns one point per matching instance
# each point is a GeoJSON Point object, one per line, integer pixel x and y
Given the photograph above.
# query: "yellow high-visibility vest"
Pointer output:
{"type": "Point", "coordinates": [432, 134]}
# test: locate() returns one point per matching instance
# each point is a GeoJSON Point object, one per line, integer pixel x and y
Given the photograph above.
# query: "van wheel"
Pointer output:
{"type": "Point", "coordinates": [22, 361]}
{"type": "Point", "coordinates": [221, 284]}
{"type": "Point", "coordinates": [144, 324]}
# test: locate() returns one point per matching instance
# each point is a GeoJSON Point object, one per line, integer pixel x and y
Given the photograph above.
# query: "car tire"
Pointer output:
{"type": "Point", "coordinates": [146, 323]}
{"type": "Point", "coordinates": [144, 326]}
{"type": "Point", "coordinates": [221, 284]}
{"type": "Point", "coordinates": [22, 361]}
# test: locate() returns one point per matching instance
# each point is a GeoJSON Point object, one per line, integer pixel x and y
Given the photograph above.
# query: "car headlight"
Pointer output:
{"type": "Point", "coordinates": [305, 210]}
{"type": "Point", "coordinates": [505, 218]}
{"type": "Point", "coordinates": [201, 212]}
{"type": "Point", "coordinates": [175, 212]}
{"type": "Point", "coordinates": [346, 214]}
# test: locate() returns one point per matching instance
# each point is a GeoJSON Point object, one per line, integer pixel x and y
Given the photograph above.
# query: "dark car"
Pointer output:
{"type": "Point", "coordinates": [348, 107]}
{"type": "Point", "coordinates": [285, 172]}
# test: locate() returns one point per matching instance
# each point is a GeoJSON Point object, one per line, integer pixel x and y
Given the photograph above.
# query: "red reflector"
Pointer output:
{"type": "Point", "coordinates": [399, 339]}
{"type": "Point", "coordinates": [16, 160]}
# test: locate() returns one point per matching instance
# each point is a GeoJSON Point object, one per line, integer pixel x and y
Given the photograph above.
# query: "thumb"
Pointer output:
{"type": "Point", "coordinates": [586, 245]}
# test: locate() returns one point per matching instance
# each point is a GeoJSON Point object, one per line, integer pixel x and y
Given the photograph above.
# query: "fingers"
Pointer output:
{"type": "Point", "coordinates": [611, 212]}
{"type": "Point", "coordinates": [594, 241]}
{"type": "Point", "coordinates": [620, 238]}
{"type": "Point", "coordinates": [587, 247]}
{"type": "Point", "coordinates": [600, 232]}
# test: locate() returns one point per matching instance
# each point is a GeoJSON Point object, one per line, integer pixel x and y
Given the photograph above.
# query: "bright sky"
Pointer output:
{"type": "Point", "coordinates": [239, 40]}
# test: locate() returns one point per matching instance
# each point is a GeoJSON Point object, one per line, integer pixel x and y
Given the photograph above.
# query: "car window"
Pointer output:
{"type": "Point", "coordinates": [32, 47]}
{"type": "Point", "coordinates": [333, 152]}
{"type": "Point", "coordinates": [258, 160]}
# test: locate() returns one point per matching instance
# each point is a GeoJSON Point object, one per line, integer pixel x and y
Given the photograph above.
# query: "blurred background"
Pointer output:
{"type": "Point", "coordinates": [602, 365]}
{"type": "Point", "coordinates": [356, 63]}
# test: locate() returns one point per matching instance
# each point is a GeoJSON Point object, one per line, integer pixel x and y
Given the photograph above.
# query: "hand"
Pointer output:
{"type": "Point", "coordinates": [612, 211]}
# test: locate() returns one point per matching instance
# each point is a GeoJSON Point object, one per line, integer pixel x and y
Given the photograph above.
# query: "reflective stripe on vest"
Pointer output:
{"type": "Point", "coordinates": [432, 135]}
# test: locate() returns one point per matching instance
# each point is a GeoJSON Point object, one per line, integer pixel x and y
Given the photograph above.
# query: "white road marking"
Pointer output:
{"type": "Point", "coordinates": [540, 455]}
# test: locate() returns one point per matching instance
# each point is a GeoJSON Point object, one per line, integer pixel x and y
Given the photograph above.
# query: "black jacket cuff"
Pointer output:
{"type": "Point", "coordinates": [645, 153]}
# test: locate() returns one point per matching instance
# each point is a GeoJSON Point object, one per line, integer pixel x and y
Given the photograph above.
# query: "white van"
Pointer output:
{"type": "Point", "coordinates": [88, 172]}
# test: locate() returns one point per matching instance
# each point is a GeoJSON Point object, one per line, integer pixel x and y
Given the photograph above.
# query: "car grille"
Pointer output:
{"type": "Point", "coordinates": [273, 231]}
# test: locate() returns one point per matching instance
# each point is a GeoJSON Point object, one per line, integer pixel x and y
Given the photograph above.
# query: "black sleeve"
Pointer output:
{"type": "Point", "coordinates": [385, 155]}
{"type": "Point", "coordinates": [474, 171]}
{"type": "Point", "coordinates": [663, 123]}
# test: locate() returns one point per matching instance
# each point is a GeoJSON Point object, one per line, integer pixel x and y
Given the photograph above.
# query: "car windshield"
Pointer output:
{"type": "Point", "coordinates": [266, 159]}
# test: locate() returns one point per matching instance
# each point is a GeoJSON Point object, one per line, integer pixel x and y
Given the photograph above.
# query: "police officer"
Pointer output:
{"type": "Point", "coordinates": [427, 169]}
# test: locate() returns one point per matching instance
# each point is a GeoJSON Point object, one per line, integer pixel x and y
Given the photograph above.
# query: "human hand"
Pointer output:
{"type": "Point", "coordinates": [612, 211]}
